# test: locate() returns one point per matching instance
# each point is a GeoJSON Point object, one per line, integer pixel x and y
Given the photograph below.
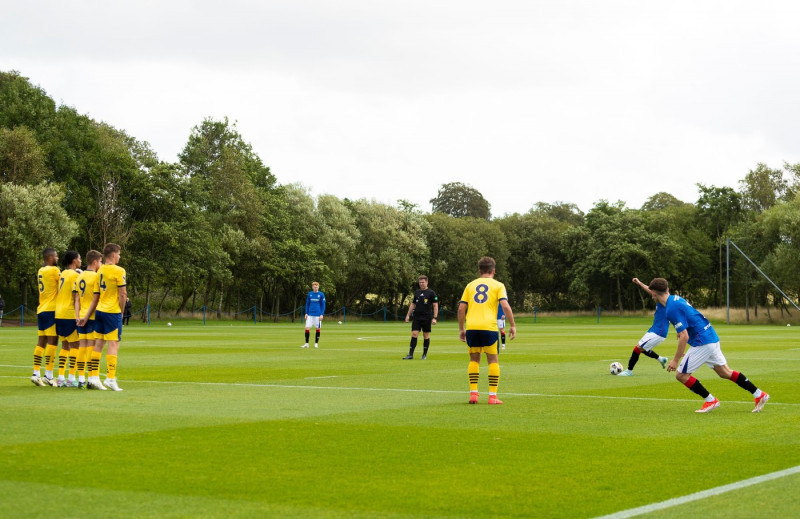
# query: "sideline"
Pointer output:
{"type": "Point", "coordinates": [711, 492]}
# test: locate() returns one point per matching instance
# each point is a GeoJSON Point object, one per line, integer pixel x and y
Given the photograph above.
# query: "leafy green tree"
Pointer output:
{"type": "Point", "coordinates": [389, 255]}
{"type": "Point", "coordinates": [26, 105]}
{"type": "Point", "coordinates": [762, 188]}
{"type": "Point", "coordinates": [461, 200]}
{"type": "Point", "coordinates": [537, 260]}
{"type": "Point", "coordinates": [456, 245]}
{"type": "Point", "coordinates": [782, 263]}
{"type": "Point", "coordinates": [231, 189]}
{"type": "Point", "coordinates": [31, 219]}
{"type": "Point", "coordinates": [614, 245]}
{"type": "Point", "coordinates": [719, 208]}
{"type": "Point", "coordinates": [22, 160]}
{"type": "Point", "coordinates": [685, 254]}
{"type": "Point", "coordinates": [661, 200]}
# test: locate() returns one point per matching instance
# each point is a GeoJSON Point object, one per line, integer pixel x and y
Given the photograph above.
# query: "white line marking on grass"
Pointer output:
{"type": "Point", "coordinates": [772, 403]}
{"type": "Point", "coordinates": [711, 492]}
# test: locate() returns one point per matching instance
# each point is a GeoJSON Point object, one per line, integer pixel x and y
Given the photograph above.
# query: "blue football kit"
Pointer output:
{"type": "Point", "coordinates": [683, 316]}
{"type": "Point", "coordinates": [315, 304]}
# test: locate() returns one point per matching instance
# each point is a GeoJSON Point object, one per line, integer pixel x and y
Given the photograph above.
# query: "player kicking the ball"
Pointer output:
{"type": "Point", "coordinates": [654, 336]}
{"type": "Point", "coordinates": [695, 330]}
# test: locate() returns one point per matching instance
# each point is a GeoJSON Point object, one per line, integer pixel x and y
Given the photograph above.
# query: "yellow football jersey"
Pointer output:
{"type": "Point", "coordinates": [65, 305]}
{"type": "Point", "coordinates": [483, 296]}
{"type": "Point", "coordinates": [109, 279]}
{"type": "Point", "coordinates": [48, 288]}
{"type": "Point", "coordinates": [84, 286]}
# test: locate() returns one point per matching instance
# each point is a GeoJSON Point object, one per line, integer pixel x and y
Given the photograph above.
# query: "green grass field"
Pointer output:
{"type": "Point", "coordinates": [235, 420]}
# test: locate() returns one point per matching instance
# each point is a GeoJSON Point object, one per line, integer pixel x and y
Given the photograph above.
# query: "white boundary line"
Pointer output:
{"type": "Point", "coordinates": [711, 492]}
{"type": "Point", "coordinates": [440, 391]}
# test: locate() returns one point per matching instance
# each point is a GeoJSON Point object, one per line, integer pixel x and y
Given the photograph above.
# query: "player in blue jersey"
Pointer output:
{"type": "Point", "coordinates": [654, 336]}
{"type": "Point", "coordinates": [501, 326]}
{"type": "Point", "coordinates": [315, 312]}
{"type": "Point", "coordinates": [695, 330]}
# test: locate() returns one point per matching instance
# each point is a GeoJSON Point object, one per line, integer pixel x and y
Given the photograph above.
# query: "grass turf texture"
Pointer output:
{"type": "Point", "coordinates": [236, 420]}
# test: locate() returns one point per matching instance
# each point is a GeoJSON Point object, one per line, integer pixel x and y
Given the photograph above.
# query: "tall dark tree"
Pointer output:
{"type": "Point", "coordinates": [461, 200]}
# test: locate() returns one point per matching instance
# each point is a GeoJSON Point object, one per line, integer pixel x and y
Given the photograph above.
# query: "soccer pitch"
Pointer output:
{"type": "Point", "coordinates": [236, 420]}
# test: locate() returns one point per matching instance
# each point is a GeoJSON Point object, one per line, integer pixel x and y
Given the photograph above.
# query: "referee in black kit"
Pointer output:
{"type": "Point", "coordinates": [425, 308]}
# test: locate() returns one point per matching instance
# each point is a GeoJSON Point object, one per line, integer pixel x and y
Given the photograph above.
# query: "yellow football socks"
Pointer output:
{"type": "Point", "coordinates": [83, 352]}
{"type": "Point", "coordinates": [50, 356]}
{"type": "Point", "coordinates": [94, 364]}
{"type": "Point", "coordinates": [73, 360]}
{"type": "Point", "coordinates": [474, 373]}
{"type": "Point", "coordinates": [111, 366]}
{"type": "Point", "coordinates": [494, 377]}
{"type": "Point", "coordinates": [38, 351]}
{"type": "Point", "coordinates": [62, 361]}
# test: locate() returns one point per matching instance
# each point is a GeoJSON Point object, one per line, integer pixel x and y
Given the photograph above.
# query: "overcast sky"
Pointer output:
{"type": "Point", "coordinates": [526, 101]}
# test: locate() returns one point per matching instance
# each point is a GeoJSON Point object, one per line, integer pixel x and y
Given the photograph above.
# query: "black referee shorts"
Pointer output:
{"type": "Point", "coordinates": [423, 325]}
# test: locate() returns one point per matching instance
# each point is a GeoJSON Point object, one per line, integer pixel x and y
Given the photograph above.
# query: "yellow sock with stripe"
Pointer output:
{"type": "Point", "coordinates": [73, 361]}
{"type": "Point", "coordinates": [82, 352]}
{"type": "Point", "coordinates": [111, 366]}
{"type": "Point", "coordinates": [474, 373]}
{"type": "Point", "coordinates": [38, 352]}
{"type": "Point", "coordinates": [62, 362]}
{"type": "Point", "coordinates": [50, 357]}
{"type": "Point", "coordinates": [94, 364]}
{"type": "Point", "coordinates": [494, 377]}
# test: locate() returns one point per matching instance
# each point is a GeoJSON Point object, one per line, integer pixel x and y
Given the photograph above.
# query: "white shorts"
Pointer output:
{"type": "Point", "coordinates": [650, 340]}
{"type": "Point", "coordinates": [313, 320]}
{"type": "Point", "coordinates": [708, 354]}
{"type": "Point", "coordinates": [501, 324]}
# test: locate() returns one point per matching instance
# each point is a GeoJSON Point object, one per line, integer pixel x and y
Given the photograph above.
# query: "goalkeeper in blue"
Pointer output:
{"type": "Point", "coordinates": [315, 312]}
{"type": "Point", "coordinates": [654, 336]}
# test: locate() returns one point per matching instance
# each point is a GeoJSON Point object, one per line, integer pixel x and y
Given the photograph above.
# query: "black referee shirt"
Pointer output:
{"type": "Point", "coordinates": [423, 303]}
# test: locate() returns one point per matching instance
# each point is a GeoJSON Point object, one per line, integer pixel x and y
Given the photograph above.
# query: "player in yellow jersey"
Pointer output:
{"type": "Point", "coordinates": [84, 289]}
{"type": "Point", "coordinates": [110, 293]}
{"type": "Point", "coordinates": [47, 344]}
{"type": "Point", "coordinates": [477, 326]}
{"type": "Point", "coordinates": [66, 323]}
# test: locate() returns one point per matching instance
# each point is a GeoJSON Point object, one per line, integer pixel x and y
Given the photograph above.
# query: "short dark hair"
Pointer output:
{"type": "Point", "coordinates": [69, 257]}
{"type": "Point", "coordinates": [659, 285]}
{"type": "Point", "coordinates": [486, 265]}
{"type": "Point", "coordinates": [110, 248]}
{"type": "Point", "coordinates": [422, 277]}
{"type": "Point", "coordinates": [93, 256]}
{"type": "Point", "coordinates": [48, 252]}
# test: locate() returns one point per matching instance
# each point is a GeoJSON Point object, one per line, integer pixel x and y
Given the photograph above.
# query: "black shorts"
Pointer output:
{"type": "Point", "coordinates": [423, 325]}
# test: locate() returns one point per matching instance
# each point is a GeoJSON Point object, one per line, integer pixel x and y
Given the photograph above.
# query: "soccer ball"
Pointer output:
{"type": "Point", "coordinates": [615, 368]}
{"type": "Point", "coordinates": [169, 324]}
{"type": "Point", "coordinates": [340, 322]}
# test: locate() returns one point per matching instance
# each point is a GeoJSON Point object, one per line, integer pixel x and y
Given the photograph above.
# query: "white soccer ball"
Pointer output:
{"type": "Point", "coordinates": [788, 324]}
{"type": "Point", "coordinates": [615, 368]}
{"type": "Point", "coordinates": [169, 324]}
{"type": "Point", "coordinates": [340, 322]}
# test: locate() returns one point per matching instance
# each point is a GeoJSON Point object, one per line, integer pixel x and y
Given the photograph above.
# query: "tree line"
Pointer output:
{"type": "Point", "coordinates": [216, 230]}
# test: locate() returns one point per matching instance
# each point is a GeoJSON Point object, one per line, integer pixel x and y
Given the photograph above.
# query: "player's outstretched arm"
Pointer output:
{"type": "Point", "coordinates": [643, 286]}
